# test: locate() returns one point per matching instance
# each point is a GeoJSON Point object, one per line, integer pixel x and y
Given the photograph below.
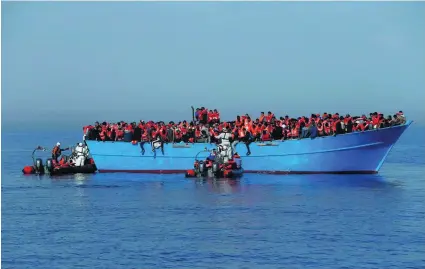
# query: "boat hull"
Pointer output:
{"type": "Point", "coordinates": [70, 170]}
{"type": "Point", "coordinates": [353, 153]}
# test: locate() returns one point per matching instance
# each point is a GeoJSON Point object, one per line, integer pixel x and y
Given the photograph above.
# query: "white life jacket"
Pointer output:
{"type": "Point", "coordinates": [79, 151]}
{"type": "Point", "coordinates": [226, 138]}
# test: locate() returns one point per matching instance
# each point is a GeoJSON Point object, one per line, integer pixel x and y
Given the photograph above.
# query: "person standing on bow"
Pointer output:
{"type": "Point", "coordinates": [57, 151]}
{"type": "Point", "coordinates": [81, 155]}
{"type": "Point", "coordinates": [224, 138]}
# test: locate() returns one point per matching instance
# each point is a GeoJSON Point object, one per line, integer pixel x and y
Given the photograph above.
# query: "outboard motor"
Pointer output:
{"type": "Point", "coordinates": [202, 168]}
{"type": "Point", "coordinates": [49, 165]}
{"type": "Point", "coordinates": [39, 168]}
{"type": "Point", "coordinates": [215, 168]}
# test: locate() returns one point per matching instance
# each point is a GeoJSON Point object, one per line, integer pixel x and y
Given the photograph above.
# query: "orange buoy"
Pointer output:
{"type": "Point", "coordinates": [190, 173]}
{"type": "Point", "coordinates": [28, 170]}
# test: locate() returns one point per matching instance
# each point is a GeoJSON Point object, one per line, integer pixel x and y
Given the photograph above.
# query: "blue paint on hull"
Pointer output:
{"type": "Point", "coordinates": [359, 152]}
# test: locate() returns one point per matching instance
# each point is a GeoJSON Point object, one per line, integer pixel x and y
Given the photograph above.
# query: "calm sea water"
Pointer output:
{"type": "Point", "coordinates": [154, 221]}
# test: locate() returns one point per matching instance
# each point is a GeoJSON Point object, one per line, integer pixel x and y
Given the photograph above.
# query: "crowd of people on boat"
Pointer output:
{"type": "Point", "coordinates": [208, 127]}
{"type": "Point", "coordinates": [78, 157]}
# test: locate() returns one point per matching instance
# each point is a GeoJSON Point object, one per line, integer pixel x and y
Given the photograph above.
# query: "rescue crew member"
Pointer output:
{"type": "Point", "coordinates": [57, 151]}
{"type": "Point", "coordinates": [81, 156]}
{"type": "Point", "coordinates": [225, 137]}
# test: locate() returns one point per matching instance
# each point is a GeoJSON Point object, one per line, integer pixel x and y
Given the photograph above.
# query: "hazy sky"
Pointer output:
{"type": "Point", "coordinates": [78, 62]}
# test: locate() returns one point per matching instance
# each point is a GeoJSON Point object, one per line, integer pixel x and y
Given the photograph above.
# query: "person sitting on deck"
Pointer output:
{"type": "Point", "coordinates": [208, 127]}
{"type": "Point", "coordinates": [212, 155]}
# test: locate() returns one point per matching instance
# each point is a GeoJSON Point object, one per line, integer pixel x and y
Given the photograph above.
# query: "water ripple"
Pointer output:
{"type": "Point", "coordinates": [152, 221]}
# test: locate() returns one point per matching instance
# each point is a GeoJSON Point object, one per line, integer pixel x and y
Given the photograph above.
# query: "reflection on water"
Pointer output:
{"type": "Point", "coordinates": [222, 186]}
{"type": "Point", "coordinates": [228, 186]}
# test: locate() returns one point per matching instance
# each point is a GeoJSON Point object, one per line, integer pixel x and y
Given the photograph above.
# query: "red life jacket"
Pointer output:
{"type": "Point", "coordinates": [120, 134]}
{"type": "Point", "coordinates": [334, 125]}
{"type": "Point", "coordinates": [163, 134]}
{"type": "Point", "coordinates": [87, 128]}
{"type": "Point", "coordinates": [320, 129]}
{"type": "Point", "coordinates": [144, 137]}
{"type": "Point", "coordinates": [129, 128]}
{"type": "Point", "coordinates": [295, 132]}
{"type": "Point", "coordinates": [103, 135]}
{"type": "Point", "coordinates": [266, 137]}
{"type": "Point", "coordinates": [153, 133]}
{"type": "Point", "coordinates": [375, 120]}
{"type": "Point", "coordinates": [210, 116]}
{"type": "Point", "coordinates": [183, 130]}
{"type": "Point", "coordinates": [197, 133]}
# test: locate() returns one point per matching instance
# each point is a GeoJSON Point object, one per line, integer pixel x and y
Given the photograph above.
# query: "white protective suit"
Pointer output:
{"type": "Point", "coordinates": [80, 151]}
{"type": "Point", "coordinates": [225, 147]}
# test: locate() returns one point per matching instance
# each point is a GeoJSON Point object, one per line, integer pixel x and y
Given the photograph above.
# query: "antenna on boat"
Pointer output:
{"type": "Point", "coordinates": [193, 114]}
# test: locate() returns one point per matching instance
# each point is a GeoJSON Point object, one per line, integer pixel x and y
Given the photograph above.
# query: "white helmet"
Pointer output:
{"type": "Point", "coordinates": [58, 144]}
{"type": "Point", "coordinates": [80, 144]}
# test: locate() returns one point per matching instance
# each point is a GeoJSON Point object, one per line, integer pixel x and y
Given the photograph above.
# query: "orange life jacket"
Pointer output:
{"type": "Point", "coordinates": [241, 133]}
{"type": "Point", "coordinates": [269, 117]}
{"type": "Point", "coordinates": [269, 128]}
{"type": "Point", "coordinates": [261, 118]}
{"type": "Point", "coordinates": [56, 150]}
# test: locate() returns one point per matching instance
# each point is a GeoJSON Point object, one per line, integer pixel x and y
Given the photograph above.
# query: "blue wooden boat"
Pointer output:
{"type": "Point", "coordinates": [352, 153]}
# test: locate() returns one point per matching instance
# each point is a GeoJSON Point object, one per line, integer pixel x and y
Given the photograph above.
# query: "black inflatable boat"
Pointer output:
{"type": "Point", "coordinates": [53, 168]}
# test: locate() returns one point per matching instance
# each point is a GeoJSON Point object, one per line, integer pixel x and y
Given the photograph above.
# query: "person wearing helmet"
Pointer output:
{"type": "Point", "coordinates": [57, 151]}
{"type": "Point", "coordinates": [81, 155]}
{"type": "Point", "coordinates": [225, 148]}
